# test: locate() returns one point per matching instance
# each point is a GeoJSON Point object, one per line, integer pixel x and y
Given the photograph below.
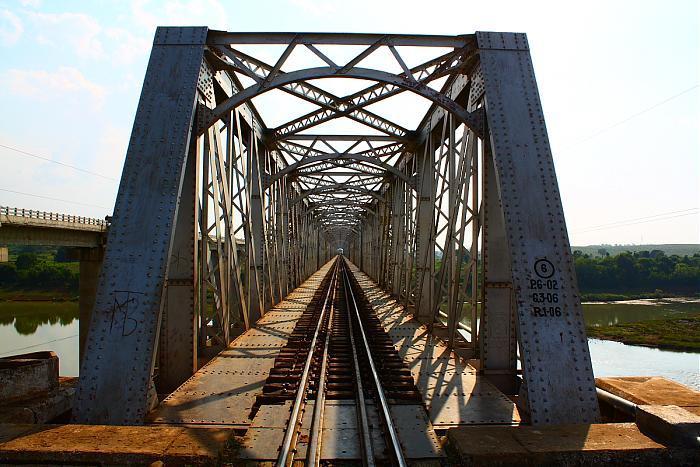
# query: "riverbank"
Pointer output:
{"type": "Point", "coordinates": [622, 297]}
{"type": "Point", "coordinates": [681, 334]}
{"type": "Point", "coordinates": [21, 295]}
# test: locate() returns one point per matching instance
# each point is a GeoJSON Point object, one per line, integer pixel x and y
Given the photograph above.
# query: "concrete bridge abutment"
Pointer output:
{"type": "Point", "coordinates": [90, 266]}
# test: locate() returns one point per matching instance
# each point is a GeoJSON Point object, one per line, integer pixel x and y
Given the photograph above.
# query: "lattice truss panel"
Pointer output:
{"type": "Point", "coordinates": [415, 155]}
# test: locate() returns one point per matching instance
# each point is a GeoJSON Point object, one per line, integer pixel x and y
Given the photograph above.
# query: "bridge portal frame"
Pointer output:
{"type": "Point", "coordinates": [463, 179]}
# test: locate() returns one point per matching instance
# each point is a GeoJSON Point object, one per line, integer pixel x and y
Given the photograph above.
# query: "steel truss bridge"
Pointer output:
{"type": "Point", "coordinates": [458, 218]}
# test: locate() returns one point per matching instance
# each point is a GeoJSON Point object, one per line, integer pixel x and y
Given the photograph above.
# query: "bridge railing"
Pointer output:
{"type": "Point", "coordinates": [50, 216]}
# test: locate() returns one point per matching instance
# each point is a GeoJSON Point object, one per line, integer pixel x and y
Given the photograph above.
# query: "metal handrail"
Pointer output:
{"type": "Point", "coordinates": [51, 216]}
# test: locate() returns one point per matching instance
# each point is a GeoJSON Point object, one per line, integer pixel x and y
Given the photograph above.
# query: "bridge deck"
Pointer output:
{"type": "Point", "coordinates": [223, 391]}
{"type": "Point", "coordinates": [454, 394]}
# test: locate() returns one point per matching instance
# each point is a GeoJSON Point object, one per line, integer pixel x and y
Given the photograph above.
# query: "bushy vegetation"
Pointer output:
{"type": "Point", "coordinates": [38, 270]}
{"type": "Point", "coordinates": [670, 249]}
{"type": "Point", "coordinates": [601, 277]}
{"type": "Point", "coordinates": [644, 271]}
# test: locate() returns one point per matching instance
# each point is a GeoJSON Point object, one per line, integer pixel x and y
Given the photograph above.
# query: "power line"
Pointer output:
{"type": "Point", "coordinates": [642, 220]}
{"type": "Point", "coordinates": [39, 345]}
{"type": "Point", "coordinates": [53, 199]}
{"type": "Point", "coordinates": [635, 115]}
{"type": "Point", "coordinates": [25, 153]}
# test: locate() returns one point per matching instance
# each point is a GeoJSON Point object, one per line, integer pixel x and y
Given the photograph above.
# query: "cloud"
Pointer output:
{"type": "Point", "coordinates": [45, 85]}
{"type": "Point", "coordinates": [179, 13]}
{"type": "Point", "coordinates": [87, 38]}
{"type": "Point", "coordinates": [10, 28]}
{"type": "Point", "coordinates": [79, 31]}
{"type": "Point", "coordinates": [315, 8]}
{"type": "Point", "coordinates": [125, 47]}
{"type": "Point", "coordinates": [111, 150]}
{"type": "Point", "coordinates": [31, 3]}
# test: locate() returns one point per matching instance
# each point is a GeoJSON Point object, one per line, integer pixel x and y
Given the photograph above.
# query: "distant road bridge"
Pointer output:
{"type": "Point", "coordinates": [31, 227]}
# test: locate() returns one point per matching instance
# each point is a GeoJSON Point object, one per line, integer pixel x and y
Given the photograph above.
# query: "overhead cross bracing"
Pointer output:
{"type": "Point", "coordinates": [424, 158]}
{"type": "Point", "coordinates": [323, 165]}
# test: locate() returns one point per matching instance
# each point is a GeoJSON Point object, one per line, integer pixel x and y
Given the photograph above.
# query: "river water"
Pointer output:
{"type": "Point", "coordinates": [34, 326]}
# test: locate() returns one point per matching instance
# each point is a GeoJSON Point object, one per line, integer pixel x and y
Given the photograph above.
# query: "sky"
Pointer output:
{"type": "Point", "coordinates": [619, 83]}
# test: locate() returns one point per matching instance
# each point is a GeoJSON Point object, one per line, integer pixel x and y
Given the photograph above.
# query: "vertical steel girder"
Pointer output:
{"type": "Point", "coordinates": [557, 369]}
{"type": "Point", "coordinates": [425, 238]}
{"type": "Point", "coordinates": [445, 217]}
{"type": "Point", "coordinates": [498, 342]}
{"type": "Point", "coordinates": [115, 375]}
{"type": "Point", "coordinates": [177, 350]}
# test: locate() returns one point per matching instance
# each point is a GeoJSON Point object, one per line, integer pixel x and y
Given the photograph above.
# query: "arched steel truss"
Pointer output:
{"type": "Point", "coordinates": [459, 217]}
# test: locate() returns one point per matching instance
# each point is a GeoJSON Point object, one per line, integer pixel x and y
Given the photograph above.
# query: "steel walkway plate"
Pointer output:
{"type": "Point", "coordinates": [454, 394]}
{"type": "Point", "coordinates": [340, 436]}
{"type": "Point", "coordinates": [223, 391]}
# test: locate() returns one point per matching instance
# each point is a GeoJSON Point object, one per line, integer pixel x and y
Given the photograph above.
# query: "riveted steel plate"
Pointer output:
{"type": "Point", "coordinates": [341, 437]}
{"type": "Point", "coordinates": [556, 361]}
{"type": "Point", "coordinates": [278, 324]}
{"type": "Point", "coordinates": [425, 346]}
{"type": "Point", "coordinates": [442, 365]}
{"type": "Point", "coordinates": [259, 338]}
{"type": "Point", "coordinates": [241, 352]}
{"type": "Point", "coordinates": [261, 444]}
{"type": "Point", "coordinates": [223, 391]}
{"type": "Point", "coordinates": [206, 408]}
{"type": "Point", "coordinates": [416, 434]}
{"type": "Point", "coordinates": [281, 326]}
{"type": "Point", "coordinates": [263, 344]}
{"type": "Point", "coordinates": [119, 352]}
{"type": "Point", "coordinates": [453, 392]}
{"type": "Point", "coordinates": [406, 331]}
{"type": "Point", "coordinates": [266, 432]}
{"type": "Point", "coordinates": [451, 410]}
{"type": "Point", "coordinates": [274, 416]}
{"type": "Point", "coordinates": [214, 396]}
{"type": "Point", "coordinates": [458, 398]}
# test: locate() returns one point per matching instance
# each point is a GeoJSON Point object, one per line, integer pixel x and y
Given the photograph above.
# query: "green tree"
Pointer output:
{"type": "Point", "coordinates": [8, 274]}
{"type": "Point", "coordinates": [26, 261]}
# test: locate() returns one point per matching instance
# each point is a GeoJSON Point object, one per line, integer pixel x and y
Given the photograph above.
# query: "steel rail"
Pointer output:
{"type": "Point", "coordinates": [314, 451]}
{"type": "Point", "coordinates": [366, 438]}
{"type": "Point", "coordinates": [283, 459]}
{"type": "Point", "coordinates": [384, 404]}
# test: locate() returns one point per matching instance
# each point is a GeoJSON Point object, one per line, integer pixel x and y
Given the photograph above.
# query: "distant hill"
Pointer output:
{"type": "Point", "coordinates": [669, 249]}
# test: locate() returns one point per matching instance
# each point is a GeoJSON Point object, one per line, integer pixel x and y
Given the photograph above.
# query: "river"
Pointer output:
{"type": "Point", "coordinates": [34, 326]}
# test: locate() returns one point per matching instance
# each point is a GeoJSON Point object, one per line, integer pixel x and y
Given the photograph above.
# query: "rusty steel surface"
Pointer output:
{"type": "Point", "coordinates": [453, 392]}
{"type": "Point", "coordinates": [338, 389]}
{"type": "Point", "coordinates": [558, 382]}
{"type": "Point", "coordinates": [224, 390]}
{"type": "Point", "coordinates": [117, 366]}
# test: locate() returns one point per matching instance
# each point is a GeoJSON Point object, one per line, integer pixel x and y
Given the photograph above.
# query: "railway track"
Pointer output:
{"type": "Point", "coordinates": [339, 353]}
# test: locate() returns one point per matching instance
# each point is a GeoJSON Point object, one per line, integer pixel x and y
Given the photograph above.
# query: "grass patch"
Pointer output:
{"type": "Point", "coordinates": [671, 333]}
{"type": "Point", "coordinates": [617, 297]}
